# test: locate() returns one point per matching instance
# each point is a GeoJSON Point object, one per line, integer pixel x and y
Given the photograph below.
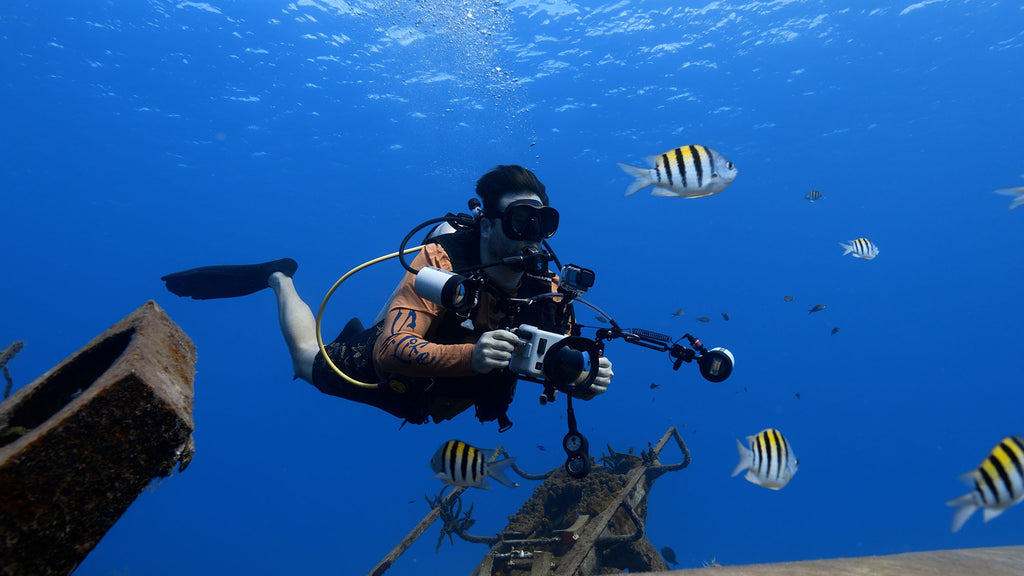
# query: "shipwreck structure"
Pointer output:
{"type": "Point", "coordinates": [570, 526]}
{"type": "Point", "coordinates": [82, 441]}
{"type": "Point", "coordinates": [595, 525]}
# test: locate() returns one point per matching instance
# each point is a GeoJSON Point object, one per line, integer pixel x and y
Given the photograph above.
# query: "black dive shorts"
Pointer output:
{"type": "Point", "coordinates": [353, 354]}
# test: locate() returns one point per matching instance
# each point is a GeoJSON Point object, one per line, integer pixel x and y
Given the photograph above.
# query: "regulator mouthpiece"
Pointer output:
{"type": "Point", "coordinates": [535, 260]}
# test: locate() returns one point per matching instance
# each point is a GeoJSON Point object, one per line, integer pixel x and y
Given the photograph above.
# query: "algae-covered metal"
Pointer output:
{"type": "Point", "coordinates": [85, 439]}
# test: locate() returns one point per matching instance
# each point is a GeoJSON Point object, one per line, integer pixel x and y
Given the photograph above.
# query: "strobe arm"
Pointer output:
{"type": "Point", "coordinates": [655, 341]}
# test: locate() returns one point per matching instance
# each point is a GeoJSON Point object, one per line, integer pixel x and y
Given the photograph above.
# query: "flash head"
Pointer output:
{"type": "Point", "coordinates": [444, 288]}
{"type": "Point", "coordinates": [716, 364]}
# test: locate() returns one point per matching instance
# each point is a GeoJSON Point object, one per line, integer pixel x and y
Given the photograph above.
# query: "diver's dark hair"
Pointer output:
{"type": "Point", "coordinates": [506, 179]}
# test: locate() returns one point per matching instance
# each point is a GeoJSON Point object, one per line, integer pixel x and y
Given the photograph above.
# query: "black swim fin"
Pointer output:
{"type": "Point", "coordinates": [226, 281]}
{"type": "Point", "coordinates": [351, 330]}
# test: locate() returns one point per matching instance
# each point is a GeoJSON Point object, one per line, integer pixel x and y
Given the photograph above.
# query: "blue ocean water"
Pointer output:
{"type": "Point", "coordinates": [140, 138]}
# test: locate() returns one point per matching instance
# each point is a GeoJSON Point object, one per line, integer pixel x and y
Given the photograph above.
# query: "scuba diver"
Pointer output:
{"type": "Point", "coordinates": [429, 361]}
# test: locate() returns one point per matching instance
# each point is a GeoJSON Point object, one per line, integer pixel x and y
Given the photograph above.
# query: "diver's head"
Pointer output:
{"type": "Point", "coordinates": [491, 187]}
{"type": "Point", "coordinates": [516, 202]}
{"type": "Point", "coordinates": [516, 216]}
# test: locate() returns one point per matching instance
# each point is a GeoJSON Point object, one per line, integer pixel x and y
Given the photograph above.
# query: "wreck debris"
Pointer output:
{"type": "Point", "coordinates": [569, 526]}
{"type": "Point", "coordinates": [85, 439]}
{"type": "Point", "coordinates": [580, 527]}
{"type": "Point", "coordinates": [5, 356]}
{"type": "Point", "coordinates": [437, 505]}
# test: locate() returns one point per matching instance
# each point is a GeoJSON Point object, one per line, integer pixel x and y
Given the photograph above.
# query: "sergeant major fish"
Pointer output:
{"type": "Point", "coordinates": [861, 248]}
{"type": "Point", "coordinates": [769, 460]}
{"type": "Point", "coordinates": [693, 171]}
{"type": "Point", "coordinates": [1017, 193]}
{"type": "Point", "coordinates": [997, 483]}
{"type": "Point", "coordinates": [458, 464]}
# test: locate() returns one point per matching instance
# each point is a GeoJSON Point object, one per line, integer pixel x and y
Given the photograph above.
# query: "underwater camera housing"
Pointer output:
{"type": "Point", "coordinates": [569, 363]}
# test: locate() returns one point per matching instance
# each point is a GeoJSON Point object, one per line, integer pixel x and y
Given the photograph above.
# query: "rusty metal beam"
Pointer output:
{"type": "Point", "coordinates": [413, 535]}
{"type": "Point", "coordinates": [424, 524]}
{"type": "Point", "coordinates": [83, 440]}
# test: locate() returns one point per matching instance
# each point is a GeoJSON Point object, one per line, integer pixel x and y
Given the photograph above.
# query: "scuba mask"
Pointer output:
{"type": "Point", "coordinates": [525, 220]}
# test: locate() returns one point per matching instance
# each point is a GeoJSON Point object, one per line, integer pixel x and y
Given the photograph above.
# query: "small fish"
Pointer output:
{"type": "Point", "coordinates": [458, 464]}
{"type": "Point", "coordinates": [653, 386]}
{"type": "Point", "coordinates": [541, 448]}
{"type": "Point", "coordinates": [861, 248]}
{"type": "Point", "coordinates": [725, 316]}
{"type": "Point", "coordinates": [678, 312]}
{"type": "Point", "coordinates": [1017, 193]}
{"type": "Point", "coordinates": [601, 319]}
{"type": "Point", "coordinates": [797, 395]}
{"type": "Point", "coordinates": [814, 196]}
{"type": "Point", "coordinates": [769, 461]}
{"type": "Point", "coordinates": [703, 319]}
{"type": "Point", "coordinates": [669, 555]}
{"type": "Point", "coordinates": [817, 308]}
{"type": "Point", "coordinates": [693, 171]}
{"type": "Point", "coordinates": [787, 298]}
{"type": "Point", "coordinates": [997, 483]}
{"type": "Point", "coordinates": [835, 331]}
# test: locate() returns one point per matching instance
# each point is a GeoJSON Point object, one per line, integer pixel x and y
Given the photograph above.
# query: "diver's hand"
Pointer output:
{"type": "Point", "coordinates": [604, 377]}
{"type": "Point", "coordinates": [493, 350]}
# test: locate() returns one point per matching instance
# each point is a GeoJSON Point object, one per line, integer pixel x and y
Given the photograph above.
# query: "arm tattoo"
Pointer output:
{"type": "Point", "coordinates": [410, 349]}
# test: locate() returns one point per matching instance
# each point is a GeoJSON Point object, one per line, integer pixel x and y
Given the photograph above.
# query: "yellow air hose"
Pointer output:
{"type": "Point", "coordinates": [320, 313]}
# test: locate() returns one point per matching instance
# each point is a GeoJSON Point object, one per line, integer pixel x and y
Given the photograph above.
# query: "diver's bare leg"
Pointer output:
{"type": "Point", "coordinates": [297, 324]}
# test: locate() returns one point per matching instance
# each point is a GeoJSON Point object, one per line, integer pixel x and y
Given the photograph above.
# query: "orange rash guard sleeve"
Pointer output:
{"type": "Point", "coordinates": [406, 346]}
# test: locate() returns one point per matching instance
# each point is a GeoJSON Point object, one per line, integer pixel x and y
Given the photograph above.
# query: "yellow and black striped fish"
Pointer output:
{"type": "Point", "coordinates": [997, 484]}
{"type": "Point", "coordinates": [767, 458]}
{"type": "Point", "coordinates": [458, 464]}
{"type": "Point", "coordinates": [691, 171]}
{"type": "Point", "coordinates": [860, 248]}
{"type": "Point", "coordinates": [1017, 194]}
{"type": "Point", "coordinates": [814, 195]}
